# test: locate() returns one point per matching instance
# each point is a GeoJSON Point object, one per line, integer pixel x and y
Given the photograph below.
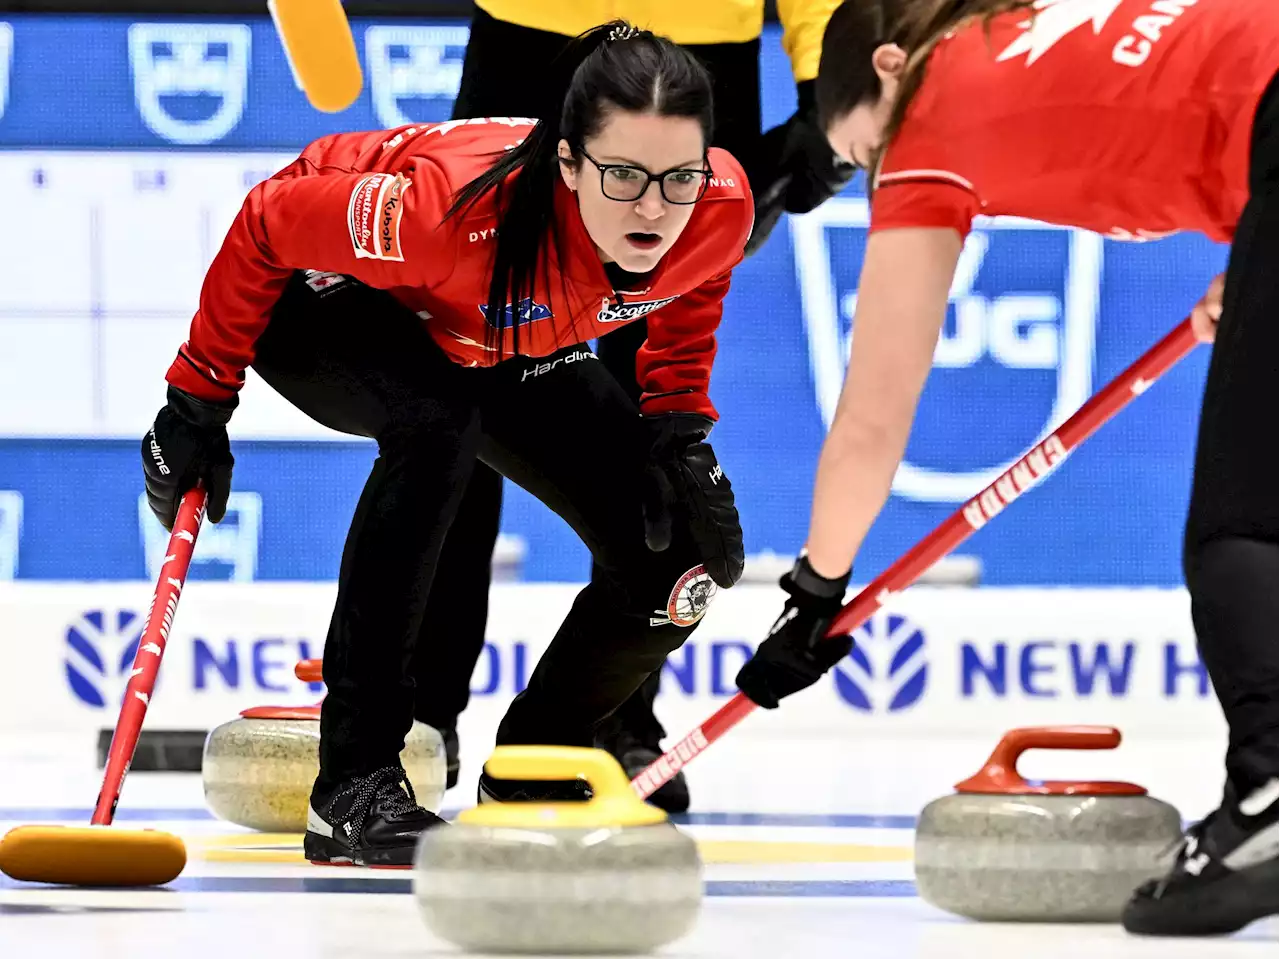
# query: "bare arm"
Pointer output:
{"type": "Point", "coordinates": [902, 299]}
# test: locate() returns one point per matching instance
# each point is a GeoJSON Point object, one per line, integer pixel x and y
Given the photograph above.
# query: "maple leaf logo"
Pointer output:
{"type": "Point", "coordinates": [1053, 20]}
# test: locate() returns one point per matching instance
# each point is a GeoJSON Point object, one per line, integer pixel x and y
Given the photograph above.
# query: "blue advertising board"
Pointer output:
{"type": "Point", "coordinates": [218, 83]}
{"type": "Point", "coordinates": [1040, 318]}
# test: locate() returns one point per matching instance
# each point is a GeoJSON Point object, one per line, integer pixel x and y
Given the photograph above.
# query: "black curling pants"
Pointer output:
{"type": "Point", "coordinates": [357, 361]}
{"type": "Point", "coordinates": [496, 81]}
{"type": "Point", "coordinates": [1230, 549]}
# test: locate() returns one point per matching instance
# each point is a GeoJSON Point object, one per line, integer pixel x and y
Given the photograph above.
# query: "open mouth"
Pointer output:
{"type": "Point", "coordinates": [644, 241]}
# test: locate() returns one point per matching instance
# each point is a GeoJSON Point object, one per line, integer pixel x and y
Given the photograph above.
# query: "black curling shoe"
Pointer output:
{"type": "Point", "coordinates": [1223, 877]}
{"type": "Point", "coordinates": [372, 820]}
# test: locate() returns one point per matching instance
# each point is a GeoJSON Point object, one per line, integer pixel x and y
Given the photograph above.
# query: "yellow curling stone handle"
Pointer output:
{"type": "Point", "coordinates": [613, 802]}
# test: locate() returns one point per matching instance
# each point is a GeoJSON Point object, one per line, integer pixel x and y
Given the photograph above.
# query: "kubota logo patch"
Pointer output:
{"type": "Point", "coordinates": [373, 216]}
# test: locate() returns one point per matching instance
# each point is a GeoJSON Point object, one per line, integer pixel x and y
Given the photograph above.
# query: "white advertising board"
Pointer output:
{"type": "Point", "coordinates": [937, 661]}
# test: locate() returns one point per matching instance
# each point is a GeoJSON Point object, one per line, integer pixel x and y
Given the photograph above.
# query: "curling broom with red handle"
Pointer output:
{"type": "Point", "coordinates": [93, 855]}
{"type": "Point", "coordinates": [1012, 483]}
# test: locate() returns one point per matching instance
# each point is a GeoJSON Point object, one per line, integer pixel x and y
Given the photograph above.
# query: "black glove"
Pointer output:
{"type": "Point", "coordinates": [683, 481]}
{"type": "Point", "coordinates": [794, 168]}
{"type": "Point", "coordinates": [188, 443]}
{"type": "Point", "coordinates": [795, 654]}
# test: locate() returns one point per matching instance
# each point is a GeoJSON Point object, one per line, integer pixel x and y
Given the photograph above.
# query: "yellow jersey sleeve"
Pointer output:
{"type": "Point", "coordinates": [803, 23]}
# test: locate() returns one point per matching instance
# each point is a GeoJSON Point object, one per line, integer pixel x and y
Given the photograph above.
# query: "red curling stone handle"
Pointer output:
{"type": "Point", "coordinates": [309, 670]}
{"type": "Point", "coordinates": [1000, 776]}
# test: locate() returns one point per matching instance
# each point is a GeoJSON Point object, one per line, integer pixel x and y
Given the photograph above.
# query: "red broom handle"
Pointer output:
{"type": "Point", "coordinates": [146, 663]}
{"type": "Point", "coordinates": [1012, 483]}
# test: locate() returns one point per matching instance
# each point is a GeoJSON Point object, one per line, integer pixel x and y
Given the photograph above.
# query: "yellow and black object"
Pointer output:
{"type": "Point", "coordinates": [713, 22]}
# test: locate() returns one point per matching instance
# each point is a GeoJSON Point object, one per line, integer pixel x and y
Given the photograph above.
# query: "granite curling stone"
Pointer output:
{"type": "Point", "coordinates": [258, 770]}
{"type": "Point", "coordinates": [610, 875]}
{"type": "Point", "coordinates": [1005, 849]}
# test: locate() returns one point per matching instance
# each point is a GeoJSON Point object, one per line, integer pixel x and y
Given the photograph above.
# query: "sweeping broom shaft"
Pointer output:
{"type": "Point", "coordinates": [1039, 460]}
{"type": "Point", "coordinates": [151, 645]}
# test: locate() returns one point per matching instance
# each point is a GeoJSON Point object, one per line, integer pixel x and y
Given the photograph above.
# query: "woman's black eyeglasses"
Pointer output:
{"type": "Point", "coordinates": [626, 183]}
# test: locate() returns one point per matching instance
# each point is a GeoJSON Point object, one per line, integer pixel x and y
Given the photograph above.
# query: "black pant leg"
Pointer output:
{"type": "Point", "coordinates": [355, 360]}
{"type": "Point", "coordinates": [617, 352]}
{"type": "Point", "coordinates": [1230, 555]}
{"type": "Point", "coordinates": [735, 77]}
{"type": "Point", "coordinates": [571, 437]}
{"type": "Point", "coordinates": [505, 70]}
{"type": "Point", "coordinates": [453, 627]}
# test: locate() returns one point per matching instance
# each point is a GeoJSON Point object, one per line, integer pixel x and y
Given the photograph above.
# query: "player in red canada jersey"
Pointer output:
{"type": "Point", "coordinates": [1132, 118]}
{"type": "Point", "coordinates": [432, 288]}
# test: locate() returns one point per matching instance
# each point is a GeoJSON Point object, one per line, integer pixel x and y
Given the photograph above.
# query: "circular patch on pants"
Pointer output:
{"type": "Point", "coordinates": [691, 596]}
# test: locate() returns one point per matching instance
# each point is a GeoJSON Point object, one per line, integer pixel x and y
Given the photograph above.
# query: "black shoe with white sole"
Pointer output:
{"type": "Point", "coordinates": [372, 820]}
{"type": "Point", "coordinates": [1224, 875]}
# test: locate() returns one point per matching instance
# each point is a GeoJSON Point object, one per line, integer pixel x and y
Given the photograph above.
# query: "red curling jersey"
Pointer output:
{"type": "Point", "coordinates": [1130, 118]}
{"type": "Point", "coordinates": [370, 205]}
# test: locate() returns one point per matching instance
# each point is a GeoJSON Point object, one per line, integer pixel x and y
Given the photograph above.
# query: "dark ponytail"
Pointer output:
{"type": "Point", "coordinates": [610, 66]}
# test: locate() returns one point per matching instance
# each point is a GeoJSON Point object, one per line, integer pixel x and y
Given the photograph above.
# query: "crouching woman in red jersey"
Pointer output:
{"type": "Point", "coordinates": [1128, 118]}
{"type": "Point", "coordinates": [433, 288]}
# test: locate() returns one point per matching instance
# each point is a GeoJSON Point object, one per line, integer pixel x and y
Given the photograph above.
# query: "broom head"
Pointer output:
{"type": "Point", "coordinates": [321, 51]}
{"type": "Point", "coordinates": [91, 855]}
